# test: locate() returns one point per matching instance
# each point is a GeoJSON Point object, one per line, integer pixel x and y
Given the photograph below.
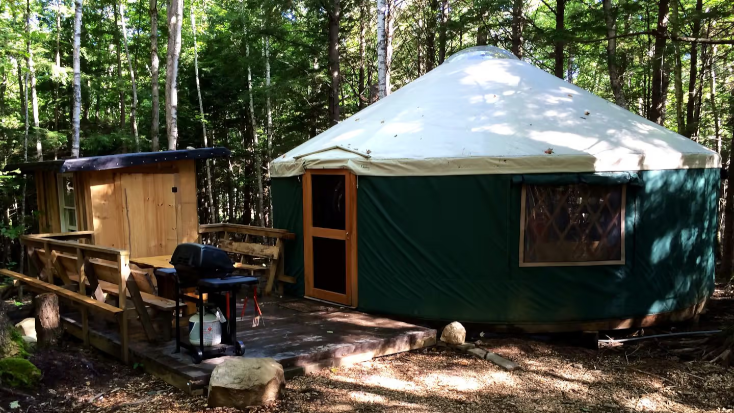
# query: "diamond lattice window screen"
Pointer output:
{"type": "Point", "coordinates": [576, 224]}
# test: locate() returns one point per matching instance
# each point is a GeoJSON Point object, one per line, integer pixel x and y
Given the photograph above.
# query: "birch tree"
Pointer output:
{"type": "Point", "coordinates": [32, 75]}
{"type": "Point", "coordinates": [381, 49]}
{"type": "Point", "coordinates": [175, 15]}
{"type": "Point", "coordinates": [77, 83]}
{"type": "Point", "coordinates": [155, 100]}
{"type": "Point", "coordinates": [134, 108]}
{"type": "Point", "coordinates": [334, 19]}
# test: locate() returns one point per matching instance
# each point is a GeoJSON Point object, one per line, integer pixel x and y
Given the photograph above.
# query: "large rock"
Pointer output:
{"type": "Point", "coordinates": [454, 333]}
{"type": "Point", "coordinates": [241, 382]}
{"type": "Point", "coordinates": [27, 327]}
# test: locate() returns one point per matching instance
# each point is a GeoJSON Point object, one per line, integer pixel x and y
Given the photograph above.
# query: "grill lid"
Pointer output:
{"type": "Point", "coordinates": [205, 260]}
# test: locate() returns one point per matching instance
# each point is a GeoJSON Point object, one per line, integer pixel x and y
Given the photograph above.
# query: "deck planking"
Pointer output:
{"type": "Point", "coordinates": [302, 341]}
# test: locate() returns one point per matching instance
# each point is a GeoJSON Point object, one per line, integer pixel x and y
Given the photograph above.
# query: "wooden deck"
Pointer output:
{"type": "Point", "coordinates": [302, 335]}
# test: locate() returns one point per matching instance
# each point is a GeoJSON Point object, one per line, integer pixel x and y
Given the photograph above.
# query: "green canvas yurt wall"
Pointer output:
{"type": "Point", "coordinates": [446, 248]}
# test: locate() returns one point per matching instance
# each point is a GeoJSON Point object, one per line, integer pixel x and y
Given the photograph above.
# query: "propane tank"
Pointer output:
{"type": "Point", "coordinates": [212, 328]}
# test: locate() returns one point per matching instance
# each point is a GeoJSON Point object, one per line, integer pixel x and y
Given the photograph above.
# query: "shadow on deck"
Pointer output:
{"type": "Point", "coordinates": [302, 335]}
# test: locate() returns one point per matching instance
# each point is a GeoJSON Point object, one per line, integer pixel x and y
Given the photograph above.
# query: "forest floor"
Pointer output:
{"type": "Point", "coordinates": [555, 376]}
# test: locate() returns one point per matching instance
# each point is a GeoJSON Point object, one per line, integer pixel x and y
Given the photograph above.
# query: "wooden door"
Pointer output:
{"type": "Point", "coordinates": [330, 235]}
{"type": "Point", "coordinates": [150, 213]}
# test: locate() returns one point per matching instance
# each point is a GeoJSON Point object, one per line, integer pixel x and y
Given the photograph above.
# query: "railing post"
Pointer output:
{"type": "Point", "coordinates": [83, 291]}
{"type": "Point", "coordinates": [123, 264]}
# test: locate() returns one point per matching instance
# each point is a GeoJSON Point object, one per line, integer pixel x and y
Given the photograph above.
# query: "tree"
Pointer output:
{"type": "Point", "coordinates": [517, 27]}
{"type": "Point", "coordinates": [175, 15]}
{"type": "Point", "coordinates": [134, 108]}
{"type": "Point", "coordinates": [210, 195]}
{"type": "Point", "coordinates": [334, 20]}
{"type": "Point", "coordinates": [660, 79]}
{"type": "Point", "coordinates": [155, 103]}
{"type": "Point", "coordinates": [615, 77]}
{"type": "Point", "coordinates": [255, 142]}
{"type": "Point", "coordinates": [32, 75]}
{"type": "Point", "coordinates": [691, 119]}
{"type": "Point", "coordinates": [560, 12]}
{"type": "Point", "coordinates": [77, 84]}
{"type": "Point", "coordinates": [381, 50]}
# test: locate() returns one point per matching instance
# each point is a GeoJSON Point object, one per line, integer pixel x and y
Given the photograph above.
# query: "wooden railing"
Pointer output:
{"type": "Point", "coordinates": [52, 247]}
{"type": "Point", "coordinates": [253, 244]}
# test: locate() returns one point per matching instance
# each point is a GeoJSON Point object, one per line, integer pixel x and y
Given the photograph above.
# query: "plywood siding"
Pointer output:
{"type": "Point", "coordinates": [106, 209]}
{"type": "Point", "coordinates": [136, 208]}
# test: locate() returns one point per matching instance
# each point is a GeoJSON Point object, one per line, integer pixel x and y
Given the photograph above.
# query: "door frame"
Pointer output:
{"type": "Point", "coordinates": [349, 234]}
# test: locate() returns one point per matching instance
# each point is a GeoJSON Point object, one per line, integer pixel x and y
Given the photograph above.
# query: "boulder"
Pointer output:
{"type": "Point", "coordinates": [27, 327]}
{"type": "Point", "coordinates": [241, 382]}
{"type": "Point", "coordinates": [454, 333]}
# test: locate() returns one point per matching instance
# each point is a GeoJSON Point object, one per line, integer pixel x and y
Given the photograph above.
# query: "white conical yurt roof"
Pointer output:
{"type": "Point", "coordinates": [484, 111]}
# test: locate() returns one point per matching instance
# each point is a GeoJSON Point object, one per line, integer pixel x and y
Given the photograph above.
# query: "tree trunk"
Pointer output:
{"type": "Point", "coordinates": [659, 87]}
{"type": "Point", "coordinates": [691, 120]}
{"type": "Point", "coordinates": [714, 107]}
{"type": "Point", "coordinates": [334, 19]}
{"type": "Point", "coordinates": [155, 101]}
{"type": "Point", "coordinates": [559, 67]}
{"type": "Point", "coordinates": [269, 131]}
{"type": "Point", "coordinates": [615, 75]}
{"type": "Point", "coordinates": [381, 58]}
{"type": "Point", "coordinates": [517, 28]}
{"type": "Point", "coordinates": [677, 71]}
{"type": "Point", "coordinates": [77, 83]}
{"type": "Point", "coordinates": [58, 66]}
{"type": "Point", "coordinates": [48, 320]}
{"type": "Point", "coordinates": [362, 33]}
{"type": "Point", "coordinates": [32, 74]}
{"type": "Point", "coordinates": [175, 14]}
{"type": "Point", "coordinates": [134, 108]}
{"type": "Point", "coordinates": [431, 35]}
{"type": "Point", "coordinates": [442, 34]}
{"type": "Point", "coordinates": [255, 142]}
{"type": "Point", "coordinates": [120, 88]}
{"type": "Point", "coordinates": [210, 195]}
{"type": "Point", "coordinates": [389, 21]}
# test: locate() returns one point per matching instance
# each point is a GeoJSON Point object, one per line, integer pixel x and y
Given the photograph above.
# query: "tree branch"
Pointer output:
{"type": "Point", "coordinates": [549, 6]}
{"type": "Point", "coordinates": [654, 33]}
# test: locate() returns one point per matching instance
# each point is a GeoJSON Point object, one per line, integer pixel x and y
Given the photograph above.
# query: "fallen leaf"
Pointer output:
{"type": "Point", "coordinates": [330, 332]}
{"type": "Point", "coordinates": [587, 113]}
{"type": "Point", "coordinates": [15, 405]}
{"type": "Point", "coordinates": [548, 151]}
{"type": "Point", "coordinates": [570, 95]}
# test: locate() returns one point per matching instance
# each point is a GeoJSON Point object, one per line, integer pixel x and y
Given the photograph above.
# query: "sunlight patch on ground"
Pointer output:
{"type": "Point", "coordinates": [389, 383]}
{"type": "Point", "coordinates": [452, 382]}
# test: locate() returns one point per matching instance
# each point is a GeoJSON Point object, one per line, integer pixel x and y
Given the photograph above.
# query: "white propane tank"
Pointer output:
{"type": "Point", "coordinates": [212, 328]}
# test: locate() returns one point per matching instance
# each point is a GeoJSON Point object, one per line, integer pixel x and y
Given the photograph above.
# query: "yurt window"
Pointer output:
{"type": "Point", "coordinates": [575, 224]}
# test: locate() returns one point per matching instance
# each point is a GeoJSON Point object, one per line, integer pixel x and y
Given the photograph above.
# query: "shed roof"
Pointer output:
{"type": "Point", "coordinates": [123, 160]}
{"type": "Point", "coordinates": [484, 111]}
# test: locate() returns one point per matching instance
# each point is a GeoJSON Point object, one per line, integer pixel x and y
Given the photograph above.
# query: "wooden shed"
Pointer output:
{"type": "Point", "coordinates": [145, 203]}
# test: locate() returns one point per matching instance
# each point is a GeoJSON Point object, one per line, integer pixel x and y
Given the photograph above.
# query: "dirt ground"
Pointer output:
{"type": "Point", "coordinates": [555, 376]}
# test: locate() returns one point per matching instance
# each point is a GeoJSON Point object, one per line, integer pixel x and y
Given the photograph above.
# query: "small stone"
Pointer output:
{"type": "Point", "coordinates": [465, 346]}
{"type": "Point", "coordinates": [477, 352]}
{"type": "Point", "coordinates": [502, 362]}
{"type": "Point", "coordinates": [454, 333]}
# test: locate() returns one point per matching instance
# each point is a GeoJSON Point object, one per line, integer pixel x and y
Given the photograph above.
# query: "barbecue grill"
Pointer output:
{"type": "Point", "coordinates": [209, 269]}
{"type": "Point", "coordinates": [196, 261]}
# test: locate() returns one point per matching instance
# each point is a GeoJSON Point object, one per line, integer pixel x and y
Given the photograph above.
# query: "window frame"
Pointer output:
{"type": "Point", "coordinates": [621, 261]}
{"type": "Point", "coordinates": [65, 227]}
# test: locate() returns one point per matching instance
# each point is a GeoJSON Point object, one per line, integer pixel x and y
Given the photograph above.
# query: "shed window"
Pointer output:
{"type": "Point", "coordinates": [67, 202]}
{"type": "Point", "coordinates": [568, 225]}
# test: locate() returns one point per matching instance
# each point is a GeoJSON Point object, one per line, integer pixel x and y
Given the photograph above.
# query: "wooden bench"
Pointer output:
{"type": "Point", "coordinates": [259, 258]}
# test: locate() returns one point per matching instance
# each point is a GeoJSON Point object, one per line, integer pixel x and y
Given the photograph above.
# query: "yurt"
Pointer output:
{"type": "Point", "coordinates": [489, 191]}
